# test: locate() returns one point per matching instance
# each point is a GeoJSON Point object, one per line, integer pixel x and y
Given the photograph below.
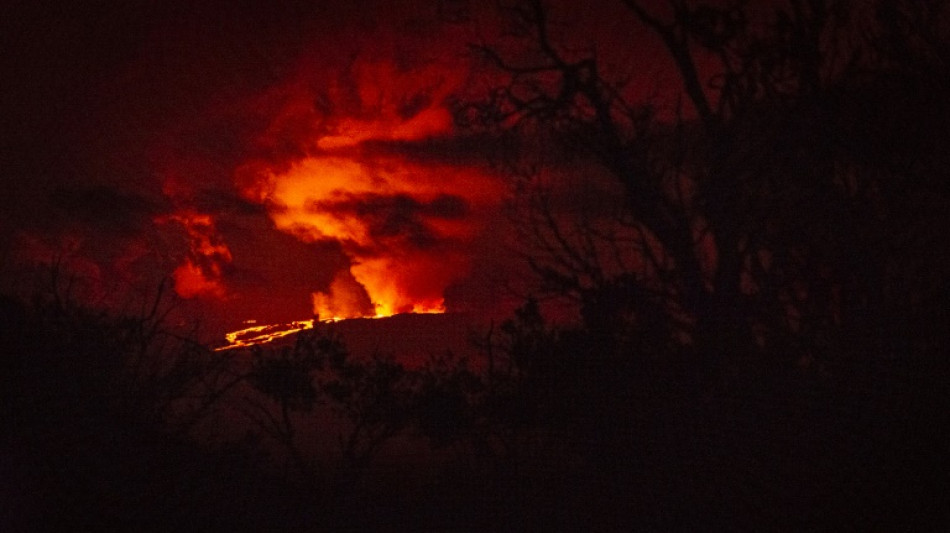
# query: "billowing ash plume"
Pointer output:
{"type": "Point", "coordinates": [404, 218]}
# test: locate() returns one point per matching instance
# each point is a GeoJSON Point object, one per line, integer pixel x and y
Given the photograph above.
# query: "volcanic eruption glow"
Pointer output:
{"type": "Point", "coordinates": [395, 220]}
{"type": "Point", "coordinates": [366, 173]}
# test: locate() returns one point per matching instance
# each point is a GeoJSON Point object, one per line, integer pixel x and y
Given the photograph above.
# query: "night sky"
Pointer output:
{"type": "Point", "coordinates": [275, 161]}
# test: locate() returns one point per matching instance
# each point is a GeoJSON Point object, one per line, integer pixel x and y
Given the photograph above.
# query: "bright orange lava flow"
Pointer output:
{"type": "Point", "coordinates": [256, 335]}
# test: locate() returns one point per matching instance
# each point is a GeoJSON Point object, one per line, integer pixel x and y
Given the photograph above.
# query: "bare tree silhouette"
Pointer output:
{"type": "Point", "coordinates": [759, 252]}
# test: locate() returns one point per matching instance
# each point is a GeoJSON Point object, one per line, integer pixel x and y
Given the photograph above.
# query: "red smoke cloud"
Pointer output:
{"type": "Point", "coordinates": [351, 151]}
{"type": "Point", "coordinates": [404, 217]}
{"type": "Point", "coordinates": [200, 275]}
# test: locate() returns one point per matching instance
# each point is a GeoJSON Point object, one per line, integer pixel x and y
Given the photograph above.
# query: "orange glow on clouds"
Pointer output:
{"type": "Point", "coordinates": [401, 224]}
{"type": "Point", "coordinates": [403, 221]}
{"type": "Point", "coordinates": [201, 272]}
{"type": "Point", "coordinates": [394, 104]}
{"type": "Point", "coordinates": [344, 299]}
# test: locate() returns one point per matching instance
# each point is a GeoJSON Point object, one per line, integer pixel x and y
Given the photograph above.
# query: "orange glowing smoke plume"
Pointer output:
{"type": "Point", "coordinates": [404, 222]}
{"type": "Point", "coordinates": [200, 273]}
{"type": "Point", "coordinates": [344, 299]}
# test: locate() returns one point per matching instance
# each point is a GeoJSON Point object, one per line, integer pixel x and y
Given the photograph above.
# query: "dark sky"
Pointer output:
{"type": "Point", "coordinates": [275, 159]}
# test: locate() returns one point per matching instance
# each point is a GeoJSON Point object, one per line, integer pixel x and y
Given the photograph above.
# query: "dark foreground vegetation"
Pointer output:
{"type": "Point", "coordinates": [114, 423]}
{"type": "Point", "coordinates": [761, 279]}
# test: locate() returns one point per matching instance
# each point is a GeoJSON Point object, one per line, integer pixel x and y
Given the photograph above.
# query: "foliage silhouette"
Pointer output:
{"type": "Point", "coordinates": [750, 264]}
{"type": "Point", "coordinates": [99, 413]}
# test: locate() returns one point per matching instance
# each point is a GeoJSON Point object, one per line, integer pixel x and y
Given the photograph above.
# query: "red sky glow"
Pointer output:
{"type": "Point", "coordinates": [274, 163]}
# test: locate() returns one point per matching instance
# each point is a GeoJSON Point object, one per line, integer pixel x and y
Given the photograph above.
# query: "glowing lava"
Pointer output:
{"type": "Point", "coordinates": [257, 335]}
{"type": "Point", "coordinates": [246, 337]}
